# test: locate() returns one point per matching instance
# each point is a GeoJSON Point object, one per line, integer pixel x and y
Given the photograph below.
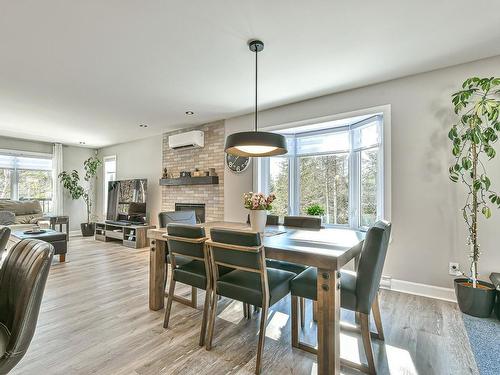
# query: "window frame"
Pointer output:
{"type": "Point", "coordinates": [354, 168]}
{"type": "Point", "coordinates": [14, 175]}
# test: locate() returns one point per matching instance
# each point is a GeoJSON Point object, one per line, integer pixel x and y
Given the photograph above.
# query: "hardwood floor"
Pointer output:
{"type": "Point", "coordinates": [95, 320]}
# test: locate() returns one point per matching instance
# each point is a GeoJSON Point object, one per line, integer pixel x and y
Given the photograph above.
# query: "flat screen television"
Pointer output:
{"type": "Point", "coordinates": [127, 201]}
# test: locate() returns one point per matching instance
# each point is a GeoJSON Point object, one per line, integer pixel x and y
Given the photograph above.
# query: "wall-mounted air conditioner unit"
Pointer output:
{"type": "Point", "coordinates": [183, 141]}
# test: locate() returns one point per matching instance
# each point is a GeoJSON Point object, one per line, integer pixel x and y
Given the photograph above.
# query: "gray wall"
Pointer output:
{"type": "Point", "coordinates": [73, 158]}
{"type": "Point", "coordinates": [428, 231]}
{"type": "Point", "coordinates": [137, 159]}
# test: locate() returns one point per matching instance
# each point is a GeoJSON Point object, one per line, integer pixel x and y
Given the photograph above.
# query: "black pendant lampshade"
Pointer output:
{"type": "Point", "coordinates": [255, 143]}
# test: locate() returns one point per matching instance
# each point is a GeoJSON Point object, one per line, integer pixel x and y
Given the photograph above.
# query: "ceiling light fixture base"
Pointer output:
{"type": "Point", "coordinates": [256, 45]}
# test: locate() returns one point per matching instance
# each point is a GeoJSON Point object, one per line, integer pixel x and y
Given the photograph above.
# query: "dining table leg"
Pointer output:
{"type": "Point", "coordinates": [328, 322]}
{"type": "Point", "coordinates": [157, 274]}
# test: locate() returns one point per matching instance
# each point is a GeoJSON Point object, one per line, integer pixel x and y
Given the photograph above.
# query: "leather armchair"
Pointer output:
{"type": "Point", "coordinates": [4, 238]}
{"type": "Point", "coordinates": [22, 282]}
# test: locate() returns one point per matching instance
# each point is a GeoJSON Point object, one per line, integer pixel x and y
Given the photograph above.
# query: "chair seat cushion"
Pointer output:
{"type": "Point", "coordinates": [304, 285]}
{"type": "Point", "coordinates": [4, 339]}
{"type": "Point", "coordinates": [193, 273]}
{"type": "Point", "coordinates": [245, 286]}
{"type": "Point", "coordinates": [285, 266]}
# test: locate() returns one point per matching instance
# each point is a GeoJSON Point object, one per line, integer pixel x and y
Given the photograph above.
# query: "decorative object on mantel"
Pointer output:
{"type": "Point", "coordinates": [165, 173]}
{"type": "Point", "coordinates": [258, 204]}
{"type": "Point", "coordinates": [478, 104]}
{"type": "Point", "coordinates": [256, 143]}
{"type": "Point", "coordinates": [211, 172]}
{"type": "Point", "coordinates": [237, 164]}
{"type": "Point", "coordinates": [185, 174]}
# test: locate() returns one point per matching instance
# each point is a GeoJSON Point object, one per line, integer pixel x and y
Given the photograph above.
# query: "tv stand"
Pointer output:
{"type": "Point", "coordinates": [130, 235]}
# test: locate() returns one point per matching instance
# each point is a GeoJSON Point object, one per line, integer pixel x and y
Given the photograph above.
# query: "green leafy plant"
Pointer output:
{"type": "Point", "coordinates": [71, 182]}
{"type": "Point", "coordinates": [478, 106]}
{"type": "Point", "coordinates": [315, 210]}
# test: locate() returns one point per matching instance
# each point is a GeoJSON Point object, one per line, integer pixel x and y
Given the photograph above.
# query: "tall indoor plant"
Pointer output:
{"type": "Point", "coordinates": [71, 182]}
{"type": "Point", "coordinates": [472, 137]}
{"type": "Point", "coordinates": [258, 204]}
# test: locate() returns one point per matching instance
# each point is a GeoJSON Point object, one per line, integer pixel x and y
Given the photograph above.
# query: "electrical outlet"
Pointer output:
{"type": "Point", "coordinates": [454, 269]}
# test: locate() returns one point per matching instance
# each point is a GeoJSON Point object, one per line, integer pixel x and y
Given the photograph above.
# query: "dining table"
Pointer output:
{"type": "Point", "coordinates": [328, 249]}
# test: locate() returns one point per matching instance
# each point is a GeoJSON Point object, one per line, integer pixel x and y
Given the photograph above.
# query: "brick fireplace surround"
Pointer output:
{"type": "Point", "coordinates": [210, 156]}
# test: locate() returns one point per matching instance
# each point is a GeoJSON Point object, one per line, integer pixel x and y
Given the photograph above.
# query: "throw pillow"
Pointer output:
{"type": "Point", "coordinates": [7, 218]}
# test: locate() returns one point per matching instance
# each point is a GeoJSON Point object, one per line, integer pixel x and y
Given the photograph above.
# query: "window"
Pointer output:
{"type": "Point", "coordinates": [337, 167]}
{"type": "Point", "coordinates": [109, 175]}
{"type": "Point", "coordinates": [26, 177]}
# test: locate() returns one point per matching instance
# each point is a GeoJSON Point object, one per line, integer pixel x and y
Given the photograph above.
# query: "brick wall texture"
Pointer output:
{"type": "Point", "coordinates": [210, 156]}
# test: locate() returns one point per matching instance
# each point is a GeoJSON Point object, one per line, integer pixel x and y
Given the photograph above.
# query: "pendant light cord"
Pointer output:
{"type": "Point", "coordinates": [256, 76]}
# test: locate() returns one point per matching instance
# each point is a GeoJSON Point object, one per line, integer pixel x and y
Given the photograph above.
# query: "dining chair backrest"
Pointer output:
{"type": "Point", "coordinates": [303, 222]}
{"type": "Point", "coordinates": [371, 263]}
{"type": "Point", "coordinates": [241, 250]}
{"type": "Point", "coordinates": [22, 282]}
{"type": "Point", "coordinates": [186, 240]}
{"type": "Point", "coordinates": [4, 238]}
{"type": "Point", "coordinates": [271, 219]}
{"type": "Point", "coordinates": [180, 217]}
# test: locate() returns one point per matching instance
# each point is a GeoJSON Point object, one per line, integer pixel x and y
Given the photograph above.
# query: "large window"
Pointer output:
{"type": "Point", "coordinates": [26, 177]}
{"type": "Point", "coordinates": [338, 168]}
{"type": "Point", "coordinates": [109, 175]}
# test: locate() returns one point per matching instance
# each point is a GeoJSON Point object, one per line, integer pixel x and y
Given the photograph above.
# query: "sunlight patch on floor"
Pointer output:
{"type": "Point", "coordinates": [399, 361]}
{"type": "Point", "coordinates": [233, 313]}
{"type": "Point", "coordinates": [276, 325]}
{"type": "Point", "coordinates": [349, 348]}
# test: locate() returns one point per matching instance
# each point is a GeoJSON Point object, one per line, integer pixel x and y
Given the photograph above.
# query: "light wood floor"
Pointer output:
{"type": "Point", "coordinates": [95, 320]}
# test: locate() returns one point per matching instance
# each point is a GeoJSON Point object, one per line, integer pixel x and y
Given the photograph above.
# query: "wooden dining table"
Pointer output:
{"type": "Point", "coordinates": [328, 249]}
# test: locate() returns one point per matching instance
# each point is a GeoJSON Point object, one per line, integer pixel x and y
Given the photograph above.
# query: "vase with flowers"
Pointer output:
{"type": "Point", "coordinates": [258, 204]}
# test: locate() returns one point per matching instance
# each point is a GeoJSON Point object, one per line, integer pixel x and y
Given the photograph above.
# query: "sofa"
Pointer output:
{"type": "Point", "coordinates": [19, 215]}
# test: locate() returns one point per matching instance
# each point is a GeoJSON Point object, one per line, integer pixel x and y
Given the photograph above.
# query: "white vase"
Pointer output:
{"type": "Point", "coordinates": [258, 219]}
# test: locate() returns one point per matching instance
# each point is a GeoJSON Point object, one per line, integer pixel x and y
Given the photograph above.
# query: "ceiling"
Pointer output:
{"type": "Point", "coordinates": [92, 71]}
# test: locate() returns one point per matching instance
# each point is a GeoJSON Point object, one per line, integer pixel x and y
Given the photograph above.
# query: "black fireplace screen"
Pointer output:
{"type": "Point", "coordinates": [198, 208]}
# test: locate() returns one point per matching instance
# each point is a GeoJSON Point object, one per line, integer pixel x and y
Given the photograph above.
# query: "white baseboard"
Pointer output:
{"type": "Point", "coordinates": [425, 290]}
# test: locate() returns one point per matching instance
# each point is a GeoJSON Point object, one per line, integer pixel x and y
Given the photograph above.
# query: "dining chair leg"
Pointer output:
{"type": "Point", "coordinates": [170, 298]}
{"type": "Point", "coordinates": [262, 338]}
{"type": "Point", "coordinates": [367, 342]}
{"type": "Point", "coordinates": [315, 311]}
{"type": "Point", "coordinates": [249, 311]}
{"type": "Point", "coordinates": [245, 311]}
{"type": "Point", "coordinates": [206, 307]}
{"type": "Point", "coordinates": [211, 322]}
{"type": "Point", "coordinates": [377, 317]}
{"type": "Point", "coordinates": [302, 311]}
{"type": "Point", "coordinates": [194, 297]}
{"type": "Point", "coordinates": [294, 322]}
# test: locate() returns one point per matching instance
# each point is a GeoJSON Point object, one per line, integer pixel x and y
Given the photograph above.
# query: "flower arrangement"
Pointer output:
{"type": "Point", "coordinates": [258, 201]}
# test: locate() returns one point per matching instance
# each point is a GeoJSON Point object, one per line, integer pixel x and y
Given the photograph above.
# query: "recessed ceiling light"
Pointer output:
{"type": "Point", "coordinates": [143, 126]}
{"type": "Point", "coordinates": [82, 143]}
{"type": "Point", "coordinates": [189, 113]}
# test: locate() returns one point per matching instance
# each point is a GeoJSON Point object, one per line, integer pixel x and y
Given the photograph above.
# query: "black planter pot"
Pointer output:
{"type": "Point", "coordinates": [88, 229]}
{"type": "Point", "coordinates": [475, 301]}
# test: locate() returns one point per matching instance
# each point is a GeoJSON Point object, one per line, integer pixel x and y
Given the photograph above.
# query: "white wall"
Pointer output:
{"type": "Point", "coordinates": [73, 158]}
{"type": "Point", "coordinates": [428, 231]}
{"type": "Point", "coordinates": [137, 159]}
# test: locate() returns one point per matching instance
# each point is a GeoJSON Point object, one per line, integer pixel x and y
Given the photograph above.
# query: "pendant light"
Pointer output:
{"type": "Point", "coordinates": [255, 143]}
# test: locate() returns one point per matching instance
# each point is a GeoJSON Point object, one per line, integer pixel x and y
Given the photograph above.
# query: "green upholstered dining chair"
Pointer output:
{"type": "Point", "coordinates": [251, 282]}
{"type": "Point", "coordinates": [306, 222]}
{"type": "Point", "coordinates": [178, 217]}
{"type": "Point", "coordinates": [188, 243]}
{"type": "Point", "coordinates": [358, 290]}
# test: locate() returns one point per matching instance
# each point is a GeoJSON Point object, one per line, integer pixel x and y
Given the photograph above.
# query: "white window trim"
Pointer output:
{"type": "Point", "coordinates": [104, 188]}
{"type": "Point", "coordinates": [384, 185]}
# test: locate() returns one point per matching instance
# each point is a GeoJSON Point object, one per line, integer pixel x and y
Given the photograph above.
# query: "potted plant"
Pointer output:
{"type": "Point", "coordinates": [71, 182]}
{"type": "Point", "coordinates": [472, 138]}
{"type": "Point", "coordinates": [258, 204]}
{"type": "Point", "coordinates": [315, 210]}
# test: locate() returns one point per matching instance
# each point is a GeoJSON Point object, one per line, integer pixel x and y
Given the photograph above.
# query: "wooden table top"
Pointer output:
{"type": "Point", "coordinates": [327, 248]}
